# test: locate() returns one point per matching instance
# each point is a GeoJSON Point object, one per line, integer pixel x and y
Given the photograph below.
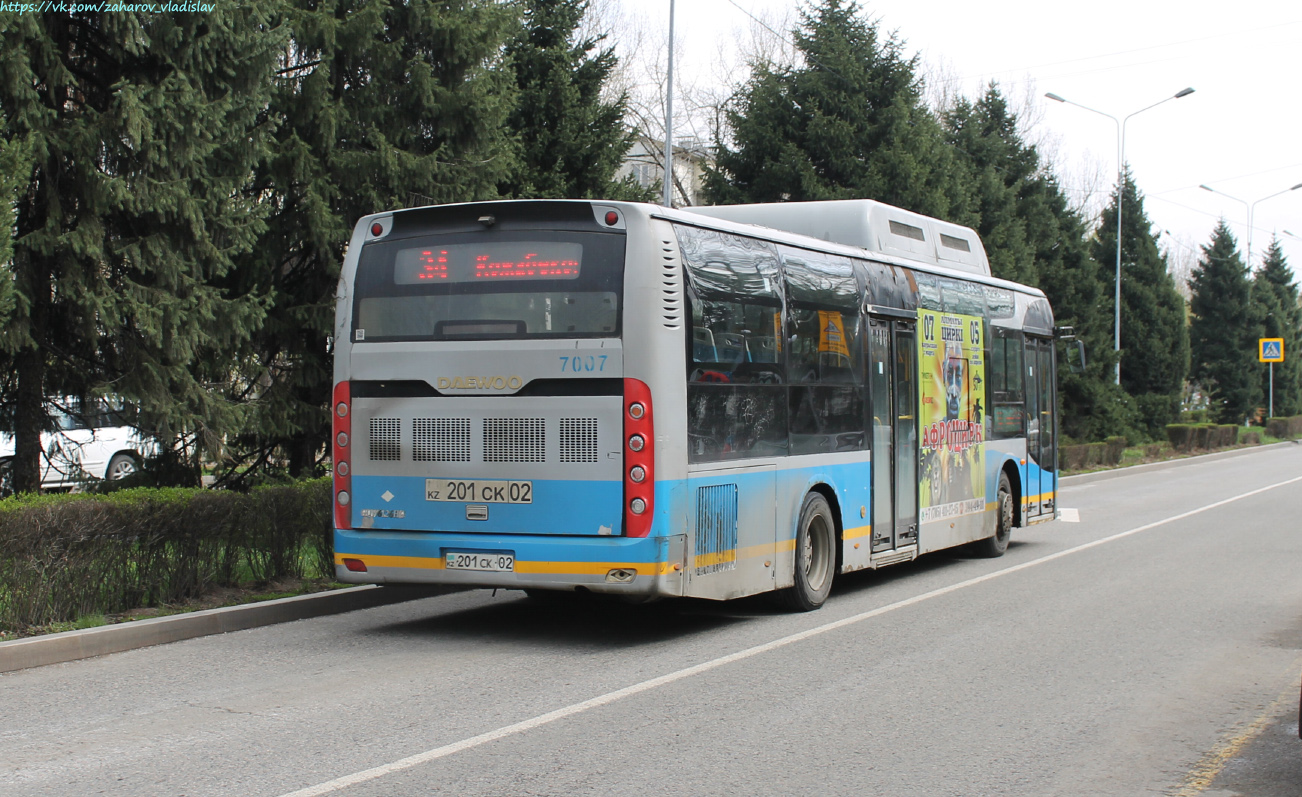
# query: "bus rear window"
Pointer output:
{"type": "Point", "coordinates": [500, 285]}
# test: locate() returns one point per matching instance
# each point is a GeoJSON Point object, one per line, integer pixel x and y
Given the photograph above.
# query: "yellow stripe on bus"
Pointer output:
{"type": "Point", "coordinates": [558, 568]}
{"type": "Point", "coordinates": [859, 531]}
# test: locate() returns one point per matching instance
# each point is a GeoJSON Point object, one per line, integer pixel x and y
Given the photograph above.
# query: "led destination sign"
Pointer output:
{"type": "Point", "coordinates": [509, 261]}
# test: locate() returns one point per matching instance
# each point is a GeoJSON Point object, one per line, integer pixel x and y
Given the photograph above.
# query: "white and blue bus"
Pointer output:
{"type": "Point", "coordinates": [712, 402]}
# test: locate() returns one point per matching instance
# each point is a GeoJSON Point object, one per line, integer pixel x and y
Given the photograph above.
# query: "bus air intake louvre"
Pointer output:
{"type": "Point", "coordinates": [386, 439]}
{"type": "Point", "coordinates": [716, 528]}
{"type": "Point", "coordinates": [440, 439]}
{"type": "Point", "coordinates": [672, 279]}
{"type": "Point", "coordinates": [578, 439]}
{"type": "Point", "coordinates": [515, 440]}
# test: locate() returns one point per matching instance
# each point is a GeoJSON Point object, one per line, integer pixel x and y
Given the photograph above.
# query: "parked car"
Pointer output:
{"type": "Point", "coordinates": [89, 442]}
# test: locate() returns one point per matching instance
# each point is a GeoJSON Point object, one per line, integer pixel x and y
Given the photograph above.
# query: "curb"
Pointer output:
{"type": "Point", "coordinates": [21, 654]}
{"type": "Point", "coordinates": [1101, 475]}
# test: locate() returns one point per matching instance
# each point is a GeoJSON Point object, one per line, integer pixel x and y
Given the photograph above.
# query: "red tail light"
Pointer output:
{"type": "Point", "coordinates": [639, 459]}
{"type": "Point", "coordinates": [341, 415]}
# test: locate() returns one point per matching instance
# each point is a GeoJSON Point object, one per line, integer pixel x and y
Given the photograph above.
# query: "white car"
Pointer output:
{"type": "Point", "coordinates": [86, 446]}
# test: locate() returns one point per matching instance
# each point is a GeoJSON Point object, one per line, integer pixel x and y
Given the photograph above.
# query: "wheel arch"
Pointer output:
{"type": "Point", "coordinates": [1014, 475]}
{"type": "Point", "coordinates": [829, 494]}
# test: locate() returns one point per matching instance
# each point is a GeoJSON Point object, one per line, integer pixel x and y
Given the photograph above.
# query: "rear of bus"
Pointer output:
{"type": "Point", "coordinates": [487, 431]}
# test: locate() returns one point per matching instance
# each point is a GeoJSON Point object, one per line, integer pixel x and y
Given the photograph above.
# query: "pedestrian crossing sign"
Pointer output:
{"type": "Point", "coordinates": [1270, 350]}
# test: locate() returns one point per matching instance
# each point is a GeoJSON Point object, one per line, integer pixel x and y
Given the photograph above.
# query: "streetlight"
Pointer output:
{"type": "Point", "coordinates": [1247, 261]}
{"type": "Point", "coordinates": [1121, 173]}
{"type": "Point", "coordinates": [669, 116]}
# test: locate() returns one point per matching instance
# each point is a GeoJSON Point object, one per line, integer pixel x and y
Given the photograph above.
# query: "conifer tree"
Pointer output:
{"type": "Point", "coordinates": [571, 140]}
{"type": "Point", "coordinates": [1032, 235]}
{"type": "Point", "coordinates": [1275, 297]}
{"type": "Point", "coordinates": [1223, 329]}
{"type": "Point", "coordinates": [1154, 337]}
{"type": "Point", "coordinates": [143, 130]}
{"type": "Point", "coordinates": [377, 106]}
{"type": "Point", "coordinates": [846, 123]}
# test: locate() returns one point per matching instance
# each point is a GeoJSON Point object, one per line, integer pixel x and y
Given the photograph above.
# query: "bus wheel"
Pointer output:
{"type": "Point", "coordinates": [815, 556]}
{"type": "Point", "coordinates": [995, 546]}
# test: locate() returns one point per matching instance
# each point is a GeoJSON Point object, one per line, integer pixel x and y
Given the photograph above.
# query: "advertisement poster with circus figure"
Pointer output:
{"type": "Point", "coordinates": [952, 415]}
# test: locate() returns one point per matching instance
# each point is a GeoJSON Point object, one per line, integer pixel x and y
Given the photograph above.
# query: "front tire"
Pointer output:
{"type": "Point", "coordinates": [993, 547]}
{"type": "Point", "coordinates": [815, 556]}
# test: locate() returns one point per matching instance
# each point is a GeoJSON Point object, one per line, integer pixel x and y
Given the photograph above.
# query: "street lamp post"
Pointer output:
{"type": "Point", "coordinates": [669, 116]}
{"type": "Point", "coordinates": [1251, 206]}
{"type": "Point", "coordinates": [1121, 175]}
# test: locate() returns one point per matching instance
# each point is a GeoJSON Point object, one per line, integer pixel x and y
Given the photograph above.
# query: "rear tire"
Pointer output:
{"type": "Point", "coordinates": [815, 556]}
{"type": "Point", "coordinates": [120, 467]}
{"type": "Point", "coordinates": [993, 547]}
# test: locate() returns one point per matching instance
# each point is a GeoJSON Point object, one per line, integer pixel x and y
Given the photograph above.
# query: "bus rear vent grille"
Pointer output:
{"type": "Point", "coordinates": [386, 439]}
{"type": "Point", "coordinates": [578, 439]}
{"type": "Point", "coordinates": [716, 528]}
{"type": "Point", "coordinates": [515, 440]}
{"type": "Point", "coordinates": [441, 440]}
{"type": "Point", "coordinates": [671, 278]}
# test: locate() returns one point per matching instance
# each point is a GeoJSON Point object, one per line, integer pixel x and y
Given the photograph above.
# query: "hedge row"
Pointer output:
{"type": "Point", "coordinates": [1092, 455]}
{"type": "Point", "coordinates": [1285, 428]}
{"type": "Point", "coordinates": [1201, 436]}
{"type": "Point", "coordinates": [68, 556]}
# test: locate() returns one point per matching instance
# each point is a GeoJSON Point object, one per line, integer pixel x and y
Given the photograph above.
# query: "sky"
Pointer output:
{"type": "Point", "coordinates": [1239, 132]}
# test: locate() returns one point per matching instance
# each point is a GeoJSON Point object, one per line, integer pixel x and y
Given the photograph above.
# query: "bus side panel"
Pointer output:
{"type": "Point", "coordinates": [848, 476]}
{"type": "Point", "coordinates": [732, 533]}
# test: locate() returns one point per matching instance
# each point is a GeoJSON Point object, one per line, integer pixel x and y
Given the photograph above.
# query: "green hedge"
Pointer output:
{"type": "Point", "coordinates": [1285, 428]}
{"type": "Point", "coordinates": [67, 556]}
{"type": "Point", "coordinates": [1092, 455]}
{"type": "Point", "coordinates": [1201, 436]}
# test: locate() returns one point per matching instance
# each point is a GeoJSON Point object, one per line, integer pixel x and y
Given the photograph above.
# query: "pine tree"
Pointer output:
{"type": "Point", "coordinates": [571, 140]}
{"type": "Point", "coordinates": [1223, 329]}
{"type": "Point", "coordinates": [378, 105]}
{"type": "Point", "coordinates": [1154, 337]}
{"type": "Point", "coordinates": [847, 123]}
{"type": "Point", "coordinates": [143, 130]}
{"type": "Point", "coordinates": [1032, 236]}
{"type": "Point", "coordinates": [1275, 296]}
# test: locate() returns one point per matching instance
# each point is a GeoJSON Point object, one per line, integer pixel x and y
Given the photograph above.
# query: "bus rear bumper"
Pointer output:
{"type": "Point", "coordinates": [645, 567]}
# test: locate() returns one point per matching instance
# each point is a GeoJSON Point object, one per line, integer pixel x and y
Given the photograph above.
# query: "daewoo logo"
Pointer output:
{"type": "Point", "coordinates": [480, 383]}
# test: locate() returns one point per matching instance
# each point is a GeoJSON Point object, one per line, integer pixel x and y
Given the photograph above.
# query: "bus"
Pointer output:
{"type": "Point", "coordinates": [711, 402]}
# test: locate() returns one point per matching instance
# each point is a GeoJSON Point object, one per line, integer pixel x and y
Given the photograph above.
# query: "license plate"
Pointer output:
{"type": "Point", "coordinates": [479, 491]}
{"type": "Point", "coordinates": [489, 562]}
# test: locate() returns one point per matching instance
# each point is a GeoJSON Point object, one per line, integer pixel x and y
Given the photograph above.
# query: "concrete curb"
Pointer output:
{"type": "Point", "coordinates": [1086, 478]}
{"type": "Point", "coordinates": [20, 654]}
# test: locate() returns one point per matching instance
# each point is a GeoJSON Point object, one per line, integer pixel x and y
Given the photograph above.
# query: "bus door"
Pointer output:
{"type": "Point", "coordinates": [1041, 436]}
{"type": "Point", "coordinates": [892, 385]}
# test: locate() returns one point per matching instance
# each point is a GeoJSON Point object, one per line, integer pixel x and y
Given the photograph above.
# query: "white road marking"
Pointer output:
{"type": "Point", "coordinates": [611, 697]}
{"type": "Point", "coordinates": [1069, 515]}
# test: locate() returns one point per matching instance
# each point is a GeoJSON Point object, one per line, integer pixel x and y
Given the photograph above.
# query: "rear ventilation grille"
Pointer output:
{"type": "Point", "coordinates": [716, 528]}
{"type": "Point", "coordinates": [386, 439]}
{"type": "Point", "coordinates": [515, 440]}
{"type": "Point", "coordinates": [441, 440]}
{"type": "Point", "coordinates": [578, 439]}
{"type": "Point", "coordinates": [671, 278]}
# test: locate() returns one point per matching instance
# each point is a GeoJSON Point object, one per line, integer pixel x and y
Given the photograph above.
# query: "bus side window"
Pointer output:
{"type": "Point", "coordinates": [1007, 391]}
{"type": "Point", "coordinates": [736, 404]}
{"type": "Point", "coordinates": [736, 301]}
{"type": "Point", "coordinates": [824, 361]}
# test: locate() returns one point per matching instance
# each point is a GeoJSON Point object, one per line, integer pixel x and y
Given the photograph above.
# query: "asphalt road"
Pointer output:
{"type": "Point", "coordinates": [1153, 647]}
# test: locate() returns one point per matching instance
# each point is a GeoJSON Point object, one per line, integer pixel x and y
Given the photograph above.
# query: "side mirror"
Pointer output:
{"type": "Point", "coordinates": [1076, 363]}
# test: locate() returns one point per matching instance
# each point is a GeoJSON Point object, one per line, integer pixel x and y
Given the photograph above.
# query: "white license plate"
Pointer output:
{"type": "Point", "coordinates": [489, 562]}
{"type": "Point", "coordinates": [478, 491]}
